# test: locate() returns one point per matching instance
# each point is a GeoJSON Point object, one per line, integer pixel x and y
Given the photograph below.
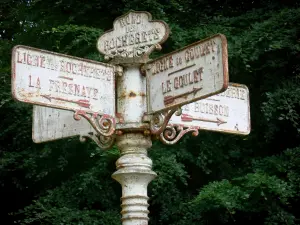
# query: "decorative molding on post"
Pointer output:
{"type": "Point", "coordinates": [134, 173]}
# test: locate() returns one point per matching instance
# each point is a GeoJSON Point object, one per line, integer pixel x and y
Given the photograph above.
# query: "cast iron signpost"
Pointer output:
{"type": "Point", "coordinates": [148, 100]}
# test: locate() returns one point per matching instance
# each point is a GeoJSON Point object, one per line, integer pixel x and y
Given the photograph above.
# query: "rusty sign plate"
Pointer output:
{"type": "Point", "coordinates": [189, 74]}
{"type": "Point", "coordinates": [133, 34]}
{"type": "Point", "coordinates": [46, 78]}
{"type": "Point", "coordinates": [51, 124]}
{"type": "Point", "coordinates": [227, 112]}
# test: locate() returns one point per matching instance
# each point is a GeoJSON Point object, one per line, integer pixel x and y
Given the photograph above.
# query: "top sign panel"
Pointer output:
{"type": "Point", "coordinates": [194, 72]}
{"type": "Point", "coordinates": [132, 35]}
{"type": "Point", "coordinates": [60, 81]}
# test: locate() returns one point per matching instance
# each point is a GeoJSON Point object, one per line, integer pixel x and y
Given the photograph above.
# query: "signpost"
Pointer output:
{"type": "Point", "coordinates": [227, 112]}
{"type": "Point", "coordinates": [76, 88]}
{"type": "Point", "coordinates": [50, 79]}
{"type": "Point", "coordinates": [189, 74]}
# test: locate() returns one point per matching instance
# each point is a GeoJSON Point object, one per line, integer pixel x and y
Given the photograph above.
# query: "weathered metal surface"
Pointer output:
{"type": "Point", "coordinates": [194, 72]}
{"type": "Point", "coordinates": [104, 125]}
{"type": "Point", "coordinates": [227, 112]}
{"type": "Point", "coordinates": [51, 124]}
{"type": "Point", "coordinates": [134, 173]}
{"type": "Point", "coordinates": [173, 132]}
{"type": "Point", "coordinates": [169, 133]}
{"type": "Point", "coordinates": [159, 121]}
{"type": "Point", "coordinates": [133, 35]}
{"type": "Point", "coordinates": [56, 80]}
{"type": "Point", "coordinates": [103, 142]}
{"type": "Point", "coordinates": [132, 102]}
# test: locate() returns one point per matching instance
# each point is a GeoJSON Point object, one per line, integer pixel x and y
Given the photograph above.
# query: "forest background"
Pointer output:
{"type": "Point", "coordinates": [213, 178]}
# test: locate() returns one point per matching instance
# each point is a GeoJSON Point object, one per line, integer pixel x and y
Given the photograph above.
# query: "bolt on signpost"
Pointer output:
{"type": "Point", "coordinates": [131, 99]}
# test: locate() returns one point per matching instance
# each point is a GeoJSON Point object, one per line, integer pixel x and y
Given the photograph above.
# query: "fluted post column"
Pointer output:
{"type": "Point", "coordinates": [134, 174]}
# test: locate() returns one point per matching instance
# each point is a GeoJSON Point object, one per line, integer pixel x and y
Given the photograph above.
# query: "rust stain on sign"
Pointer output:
{"type": "Point", "coordinates": [132, 94]}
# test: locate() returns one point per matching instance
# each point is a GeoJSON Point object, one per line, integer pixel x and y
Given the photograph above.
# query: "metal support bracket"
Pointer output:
{"type": "Point", "coordinates": [173, 132]}
{"type": "Point", "coordinates": [169, 133]}
{"type": "Point", "coordinates": [103, 142]}
{"type": "Point", "coordinates": [104, 125]}
{"type": "Point", "coordinates": [159, 121]}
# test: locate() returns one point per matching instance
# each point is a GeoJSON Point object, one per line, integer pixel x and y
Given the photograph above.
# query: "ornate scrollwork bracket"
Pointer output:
{"type": "Point", "coordinates": [104, 125]}
{"type": "Point", "coordinates": [102, 141]}
{"type": "Point", "coordinates": [173, 132]}
{"type": "Point", "coordinates": [169, 133]}
{"type": "Point", "coordinates": [159, 121]}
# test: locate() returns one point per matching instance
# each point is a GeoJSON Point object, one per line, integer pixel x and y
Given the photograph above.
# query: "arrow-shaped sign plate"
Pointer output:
{"type": "Point", "coordinates": [55, 80]}
{"type": "Point", "coordinates": [194, 72]}
{"type": "Point", "coordinates": [227, 112]}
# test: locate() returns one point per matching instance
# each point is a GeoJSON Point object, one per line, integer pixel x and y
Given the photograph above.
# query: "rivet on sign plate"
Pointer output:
{"type": "Point", "coordinates": [147, 132]}
{"type": "Point", "coordinates": [119, 132]}
{"type": "Point", "coordinates": [105, 123]}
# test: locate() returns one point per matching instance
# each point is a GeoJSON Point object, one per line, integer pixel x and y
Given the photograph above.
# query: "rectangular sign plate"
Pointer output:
{"type": "Point", "coordinates": [227, 112]}
{"type": "Point", "coordinates": [51, 124]}
{"type": "Point", "coordinates": [188, 74]}
{"type": "Point", "coordinates": [50, 79]}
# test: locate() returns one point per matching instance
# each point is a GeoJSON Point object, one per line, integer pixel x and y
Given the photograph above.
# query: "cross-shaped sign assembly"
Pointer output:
{"type": "Point", "coordinates": [131, 99]}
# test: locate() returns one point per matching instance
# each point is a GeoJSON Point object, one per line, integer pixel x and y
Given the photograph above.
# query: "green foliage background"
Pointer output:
{"type": "Point", "coordinates": [210, 179]}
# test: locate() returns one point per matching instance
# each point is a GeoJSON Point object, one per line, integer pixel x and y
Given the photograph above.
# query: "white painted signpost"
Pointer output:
{"type": "Point", "coordinates": [78, 88]}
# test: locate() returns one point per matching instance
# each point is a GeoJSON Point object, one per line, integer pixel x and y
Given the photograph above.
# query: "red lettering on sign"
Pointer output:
{"type": "Point", "coordinates": [32, 60]}
{"type": "Point", "coordinates": [72, 89]}
{"type": "Point", "coordinates": [20, 60]}
{"type": "Point", "coordinates": [29, 62]}
{"type": "Point", "coordinates": [37, 84]}
{"type": "Point", "coordinates": [95, 94]}
{"type": "Point", "coordinates": [30, 84]}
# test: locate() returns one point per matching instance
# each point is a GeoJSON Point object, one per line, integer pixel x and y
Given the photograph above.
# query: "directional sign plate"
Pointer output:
{"type": "Point", "coordinates": [132, 35]}
{"type": "Point", "coordinates": [51, 124]}
{"type": "Point", "coordinates": [189, 74]}
{"type": "Point", "coordinates": [227, 112]}
{"type": "Point", "coordinates": [50, 79]}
